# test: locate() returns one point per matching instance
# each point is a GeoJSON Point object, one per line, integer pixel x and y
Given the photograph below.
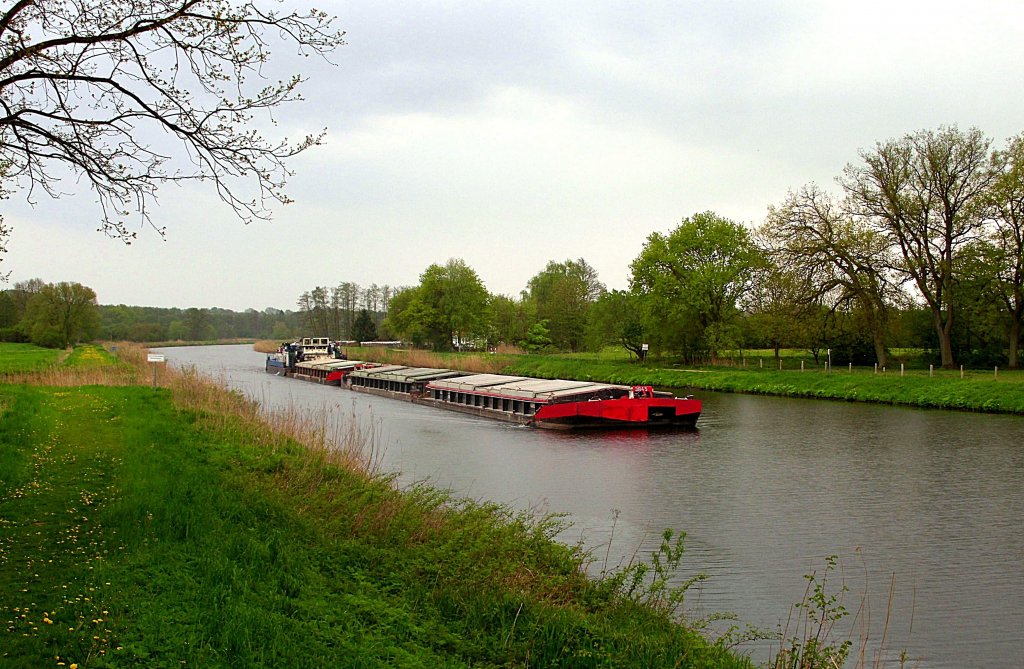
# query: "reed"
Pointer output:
{"type": "Point", "coordinates": [811, 637]}
{"type": "Point", "coordinates": [266, 345]}
{"type": "Point", "coordinates": [330, 437]}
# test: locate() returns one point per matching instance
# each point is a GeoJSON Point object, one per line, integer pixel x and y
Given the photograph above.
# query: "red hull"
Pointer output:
{"type": "Point", "coordinates": [624, 412]}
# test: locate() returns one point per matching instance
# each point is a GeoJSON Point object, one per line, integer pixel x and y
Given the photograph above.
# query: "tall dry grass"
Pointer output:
{"type": "Point", "coordinates": [75, 376]}
{"type": "Point", "coordinates": [266, 346]}
{"type": "Point", "coordinates": [328, 438]}
{"type": "Point", "coordinates": [339, 440]}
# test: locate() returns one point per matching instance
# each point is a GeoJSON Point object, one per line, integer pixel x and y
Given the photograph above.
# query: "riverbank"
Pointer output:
{"type": "Point", "coordinates": [183, 525]}
{"type": "Point", "coordinates": [984, 391]}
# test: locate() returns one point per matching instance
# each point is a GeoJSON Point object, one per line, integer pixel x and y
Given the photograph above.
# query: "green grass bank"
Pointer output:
{"type": "Point", "coordinates": [974, 390]}
{"type": "Point", "coordinates": [941, 389]}
{"type": "Point", "coordinates": [160, 527]}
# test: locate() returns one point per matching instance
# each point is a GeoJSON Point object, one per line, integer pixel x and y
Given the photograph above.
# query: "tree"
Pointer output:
{"type": "Point", "coordinates": [691, 279]}
{"type": "Point", "coordinates": [537, 339]}
{"type": "Point", "coordinates": [562, 294]}
{"type": "Point", "coordinates": [407, 317]}
{"type": "Point", "coordinates": [979, 334]}
{"type": "Point", "coordinates": [830, 257]}
{"type": "Point", "coordinates": [924, 192]}
{"type": "Point", "coordinates": [8, 310]}
{"type": "Point", "coordinates": [197, 324]}
{"type": "Point", "coordinates": [61, 314]}
{"type": "Point", "coordinates": [5, 230]}
{"type": "Point", "coordinates": [345, 304]}
{"type": "Point", "coordinates": [456, 299]}
{"type": "Point", "coordinates": [616, 318]}
{"type": "Point", "coordinates": [317, 313]}
{"type": "Point", "coordinates": [1005, 203]}
{"type": "Point", "coordinates": [9, 319]}
{"type": "Point", "coordinates": [22, 292]}
{"type": "Point", "coordinates": [510, 319]}
{"type": "Point", "coordinates": [782, 311]}
{"type": "Point", "coordinates": [364, 329]}
{"type": "Point", "coordinates": [281, 331]}
{"type": "Point", "coordinates": [448, 308]}
{"type": "Point", "coordinates": [132, 94]}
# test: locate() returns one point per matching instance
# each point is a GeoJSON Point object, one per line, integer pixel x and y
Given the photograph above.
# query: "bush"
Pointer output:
{"type": "Point", "coordinates": [13, 334]}
{"type": "Point", "coordinates": [46, 336]}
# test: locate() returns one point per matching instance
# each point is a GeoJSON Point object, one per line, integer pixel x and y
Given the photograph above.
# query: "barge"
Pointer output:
{"type": "Point", "coordinates": [307, 358]}
{"type": "Point", "coordinates": [544, 403]}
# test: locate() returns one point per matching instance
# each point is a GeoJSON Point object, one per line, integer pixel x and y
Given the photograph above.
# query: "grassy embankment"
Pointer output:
{"type": "Point", "coordinates": [184, 526]}
{"type": "Point", "coordinates": [975, 391]}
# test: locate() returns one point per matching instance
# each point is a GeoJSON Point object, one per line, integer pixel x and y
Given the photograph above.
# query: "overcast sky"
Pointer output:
{"type": "Point", "coordinates": [509, 134]}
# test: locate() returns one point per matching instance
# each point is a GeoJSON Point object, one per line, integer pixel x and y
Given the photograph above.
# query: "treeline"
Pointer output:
{"type": "Point", "coordinates": [345, 312]}
{"type": "Point", "coordinates": [54, 315]}
{"type": "Point", "coordinates": [62, 314]}
{"type": "Point", "coordinates": [921, 246]}
{"type": "Point", "coordinates": [152, 324]}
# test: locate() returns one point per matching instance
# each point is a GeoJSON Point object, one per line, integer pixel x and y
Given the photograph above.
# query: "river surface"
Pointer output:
{"type": "Point", "coordinates": [925, 509]}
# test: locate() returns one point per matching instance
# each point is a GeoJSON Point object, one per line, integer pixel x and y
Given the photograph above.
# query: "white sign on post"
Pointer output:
{"type": "Point", "coordinates": [155, 357]}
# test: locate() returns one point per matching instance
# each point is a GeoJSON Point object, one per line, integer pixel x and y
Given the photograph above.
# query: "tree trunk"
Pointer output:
{"type": "Point", "coordinates": [944, 330]}
{"type": "Point", "coordinates": [875, 323]}
{"type": "Point", "coordinates": [881, 351]}
{"type": "Point", "coordinates": [1013, 361]}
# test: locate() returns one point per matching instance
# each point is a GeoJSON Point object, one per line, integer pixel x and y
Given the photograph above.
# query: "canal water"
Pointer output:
{"type": "Point", "coordinates": [925, 509]}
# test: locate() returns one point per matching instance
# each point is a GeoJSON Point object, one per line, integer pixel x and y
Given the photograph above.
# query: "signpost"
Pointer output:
{"type": "Point", "coordinates": [643, 351]}
{"type": "Point", "coordinates": [155, 359]}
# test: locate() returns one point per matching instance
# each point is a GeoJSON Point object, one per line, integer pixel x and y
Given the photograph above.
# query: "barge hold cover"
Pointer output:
{"type": "Point", "coordinates": [557, 403]}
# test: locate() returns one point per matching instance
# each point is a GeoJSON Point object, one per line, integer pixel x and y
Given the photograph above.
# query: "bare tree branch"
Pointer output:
{"type": "Point", "coordinates": [99, 86]}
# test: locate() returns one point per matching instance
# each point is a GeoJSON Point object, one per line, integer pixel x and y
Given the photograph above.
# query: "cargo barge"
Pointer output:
{"type": "Point", "coordinates": [543, 403]}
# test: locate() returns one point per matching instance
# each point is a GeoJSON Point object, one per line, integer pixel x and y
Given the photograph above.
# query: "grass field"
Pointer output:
{"type": "Point", "coordinates": [26, 357]}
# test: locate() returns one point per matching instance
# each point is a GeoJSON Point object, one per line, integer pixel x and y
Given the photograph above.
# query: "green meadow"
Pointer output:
{"type": "Point", "coordinates": [26, 357]}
